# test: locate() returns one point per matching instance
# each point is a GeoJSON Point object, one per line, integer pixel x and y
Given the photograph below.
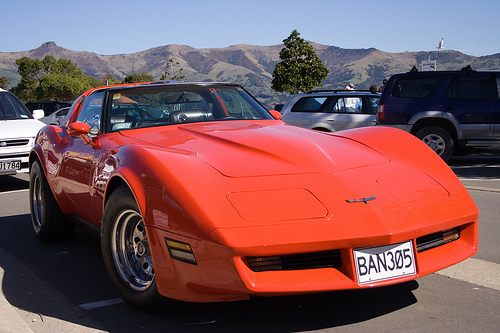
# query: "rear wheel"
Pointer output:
{"type": "Point", "coordinates": [438, 139]}
{"type": "Point", "coordinates": [48, 221]}
{"type": "Point", "coordinates": [126, 251]}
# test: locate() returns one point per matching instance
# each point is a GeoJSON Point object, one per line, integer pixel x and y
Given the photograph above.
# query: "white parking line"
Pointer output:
{"type": "Point", "coordinates": [476, 271]}
{"type": "Point", "coordinates": [15, 191]}
{"type": "Point", "coordinates": [483, 189]}
{"type": "Point", "coordinates": [100, 304]}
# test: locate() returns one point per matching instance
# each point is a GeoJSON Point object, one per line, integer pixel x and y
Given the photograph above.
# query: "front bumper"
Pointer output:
{"type": "Point", "coordinates": [222, 272]}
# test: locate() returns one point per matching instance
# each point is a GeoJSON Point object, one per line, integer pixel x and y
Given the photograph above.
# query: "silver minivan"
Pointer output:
{"type": "Point", "coordinates": [332, 110]}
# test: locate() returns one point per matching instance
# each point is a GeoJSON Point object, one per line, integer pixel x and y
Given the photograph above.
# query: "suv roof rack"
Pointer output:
{"type": "Point", "coordinates": [467, 68]}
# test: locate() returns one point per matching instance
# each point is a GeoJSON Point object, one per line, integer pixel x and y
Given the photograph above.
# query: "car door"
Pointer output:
{"type": "Point", "coordinates": [471, 99]}
{"type": "Point", "coordinates": [78, 162]}
{"type": "Point", "coordinates": [351, 112]}
{"type": "Point", "coordinates": [307, 112]}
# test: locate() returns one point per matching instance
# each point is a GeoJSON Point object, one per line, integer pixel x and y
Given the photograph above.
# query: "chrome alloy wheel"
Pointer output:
{"type": "Point", "coordinates": [435, 142]}
{"type": "Point", "coordinates": [37, 203]}
{"type": "Point", "coordinates": [131, 252]}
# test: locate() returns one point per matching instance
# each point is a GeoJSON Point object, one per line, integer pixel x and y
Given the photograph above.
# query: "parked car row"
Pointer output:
{"type": "Point", "coordinates": [445, 109]}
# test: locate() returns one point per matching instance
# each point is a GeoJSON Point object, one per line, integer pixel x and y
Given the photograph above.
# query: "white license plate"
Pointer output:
{"type": "Point", "coordinates": [10, 165]}
{"type": "Point", "coordinates": [386, 262]}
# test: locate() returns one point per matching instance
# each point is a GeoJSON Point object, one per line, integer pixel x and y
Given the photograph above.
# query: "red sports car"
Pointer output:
{"type": "Point", "coordinates": [200, 194]}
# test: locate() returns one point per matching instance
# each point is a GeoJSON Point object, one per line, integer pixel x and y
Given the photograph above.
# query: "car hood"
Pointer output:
{"type": "Point", "coordinates": [262, 148]}
{"type": "Point", "coordinates": [19, 128]}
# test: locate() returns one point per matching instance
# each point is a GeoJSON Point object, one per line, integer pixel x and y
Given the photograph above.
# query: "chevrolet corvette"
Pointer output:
{"type": "Point", "coordinates": [199, 194]}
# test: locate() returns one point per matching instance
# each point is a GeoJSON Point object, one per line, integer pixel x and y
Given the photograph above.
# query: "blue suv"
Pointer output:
{"type": "Point", "coordinates": [445, 109]}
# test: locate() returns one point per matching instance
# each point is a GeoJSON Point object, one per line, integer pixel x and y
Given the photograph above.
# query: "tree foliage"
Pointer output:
{"type": "Point", "coordinates": [137, 78]}
{"type": "Point", "coordinates": [50, 79]}
{"type": "Point", "coordinates": [171, 74]}
{"type": "Point", "coordinates": [300, 69]}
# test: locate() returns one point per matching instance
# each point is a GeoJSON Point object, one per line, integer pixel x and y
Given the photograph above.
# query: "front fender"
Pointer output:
{"type": "Point", "coordinates": [400, 147]}
{"type": "Point", "coordinates": [164, 185]}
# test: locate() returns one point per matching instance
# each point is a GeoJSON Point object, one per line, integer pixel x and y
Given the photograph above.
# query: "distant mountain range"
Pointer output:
{"type": "Point", "coordinates": [251, 66]}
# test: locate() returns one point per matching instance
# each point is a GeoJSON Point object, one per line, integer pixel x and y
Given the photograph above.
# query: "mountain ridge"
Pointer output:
{"type": "Point", "coordinates": [250, 65]}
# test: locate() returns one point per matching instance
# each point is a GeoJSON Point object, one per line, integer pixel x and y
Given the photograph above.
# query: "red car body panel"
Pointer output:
{"type": "Point", "coordinates": [233, 189]}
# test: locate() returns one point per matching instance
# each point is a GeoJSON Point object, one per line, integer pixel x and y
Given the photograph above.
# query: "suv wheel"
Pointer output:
{"type": "Point", "coordinates": [438, 139]}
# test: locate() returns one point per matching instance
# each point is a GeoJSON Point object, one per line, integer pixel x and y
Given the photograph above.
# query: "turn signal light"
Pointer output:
{"type": "Point", "coordinates": [180, 251]}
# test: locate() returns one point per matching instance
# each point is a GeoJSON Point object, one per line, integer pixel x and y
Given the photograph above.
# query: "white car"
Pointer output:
{"type": "Point", "coordinates": [56, 118]}
{"type": "Point", "coordinates": [18, 129]}
{"type": "Point", "coordinates": [332, 110]}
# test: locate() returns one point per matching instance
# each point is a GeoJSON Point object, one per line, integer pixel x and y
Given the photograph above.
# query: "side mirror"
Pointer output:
{"type": "Point", "coordinates": [276, 114]}
{"type": "Point", "coordinates": [82, 129]}
{"type": "Point", "coordinates": [78, 128]}
{"type": "Point", "coordinates": [38, 113]}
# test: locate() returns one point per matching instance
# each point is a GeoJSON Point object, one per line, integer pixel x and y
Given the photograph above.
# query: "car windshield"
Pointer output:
{"type": "Point", "coordinates": [140, 107]}
{"type": "Point", "coordinates": [11, 108]}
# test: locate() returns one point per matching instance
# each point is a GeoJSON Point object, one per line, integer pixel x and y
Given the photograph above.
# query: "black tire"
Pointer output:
{"type": "Point", "coordinates": [438, 139]}
{"type": "Point", "coordinates": [46, 217]}
{"type": "Point", "coordinates": [126, 252]}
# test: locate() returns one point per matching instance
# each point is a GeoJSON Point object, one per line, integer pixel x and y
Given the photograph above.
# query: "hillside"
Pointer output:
{"type": "Point", "coordinates": [250, 66]}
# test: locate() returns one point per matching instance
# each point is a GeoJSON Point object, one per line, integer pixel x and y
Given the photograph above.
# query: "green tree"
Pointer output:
{"type": "Point", "coordinates": [140, 77]}
{"type": "Point", "coordinates": [300, 69]}
{"type": "Point", "coordinates": [59, 87]}
{"type": "Point", "coordinates": [50, 79]}
{"type": "Point", "coordinates": [171, 74]}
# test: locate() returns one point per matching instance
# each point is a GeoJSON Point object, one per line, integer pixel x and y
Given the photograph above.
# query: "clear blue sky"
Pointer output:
{"type": "Point", "coordinates": [114, 27]}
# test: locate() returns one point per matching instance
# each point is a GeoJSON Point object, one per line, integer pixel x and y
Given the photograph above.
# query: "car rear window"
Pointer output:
{"type": "Point", "coordinates": [416, 87]}
{"type": "Point", "coordinates": [473, 87]}
{"type": "Point", "coordinates": [310, 104]}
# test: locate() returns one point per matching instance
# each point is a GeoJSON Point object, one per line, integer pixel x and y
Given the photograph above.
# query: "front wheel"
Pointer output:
{"type": "Point", "coordinates": [438, 139]}
{"type": "Point", "coordinates": [48, 221]}
{"type": "Point", "coordinates": [126, 251]}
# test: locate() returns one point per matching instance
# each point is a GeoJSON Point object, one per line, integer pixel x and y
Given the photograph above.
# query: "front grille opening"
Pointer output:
{"type": "Point", "coordinates": [298, 261]}
{"type": "Point", "coordinates": [14, 143]}
{"type": "Point", "coordinates": [436, 239]}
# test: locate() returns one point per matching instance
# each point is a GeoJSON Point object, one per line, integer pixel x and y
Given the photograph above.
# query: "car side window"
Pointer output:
{"type": "Point", "coordinates": [352, 104]}
{"type": "Point", "coordinates": [91, 110]}
{"type": "Point", "coordinates": [416, 87]}
{"type": "Point", "coordinates": [472, 87]}
{"type": "Point", "coordinates": [372, 104]}
{"type": "Point", "coordinates": [310, 104]}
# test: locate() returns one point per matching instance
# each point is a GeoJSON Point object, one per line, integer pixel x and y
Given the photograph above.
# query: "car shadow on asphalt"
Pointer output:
{"type": "Point", "coordinates": [12, 183]}
{"type": "Point", "coordinates": [74, 271]}
{"type": "Point", "coordinates": [295, 313]}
